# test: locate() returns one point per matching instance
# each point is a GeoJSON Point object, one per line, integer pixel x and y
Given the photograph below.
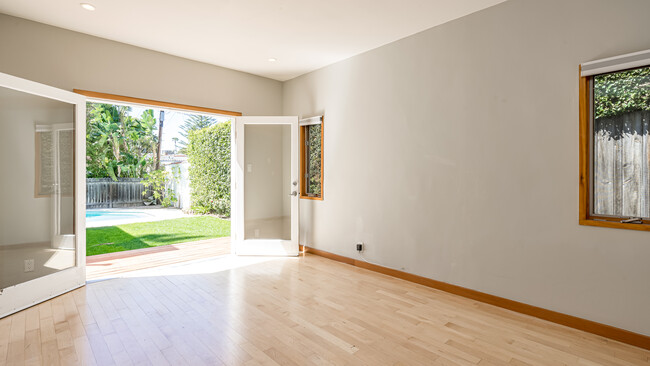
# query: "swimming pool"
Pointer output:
{"type": "Point", "coordinates": [98, 217]}
{"type": "Point", "coordinates": [111, 215]}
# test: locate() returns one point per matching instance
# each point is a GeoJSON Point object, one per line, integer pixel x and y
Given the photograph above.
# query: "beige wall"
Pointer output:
{"type": "Point", "coordinates": [71, 60]}
{"type": "Point", "coordinates": [453, 154]}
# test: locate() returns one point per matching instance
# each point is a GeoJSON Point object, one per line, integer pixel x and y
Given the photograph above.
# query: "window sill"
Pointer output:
{"type": "Point", "coordinates": [311, 198]}
{"type": "Point", "coordinates": [614, 224]}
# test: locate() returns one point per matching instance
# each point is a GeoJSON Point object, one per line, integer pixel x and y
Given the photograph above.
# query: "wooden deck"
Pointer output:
{"type": "Point", "coordinates": [111, 264]}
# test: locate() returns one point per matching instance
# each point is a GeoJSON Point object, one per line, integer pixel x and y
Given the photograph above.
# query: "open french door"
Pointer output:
{"type": "Point", "coordinates": [265, 186]}
{"type": "Point", "coordinates": [42, 190]}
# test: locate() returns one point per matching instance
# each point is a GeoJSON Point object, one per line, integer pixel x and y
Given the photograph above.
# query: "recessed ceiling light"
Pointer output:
{"type": "Point", "coordinates": [272, 59]}
{"type": "Point", "coordinates": [87, 6]}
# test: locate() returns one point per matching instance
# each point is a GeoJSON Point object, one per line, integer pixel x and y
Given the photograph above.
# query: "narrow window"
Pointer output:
{"type": "Point", "coordinates": [311, 158]}
{"type": "Point", "coordinates": [615, 146]}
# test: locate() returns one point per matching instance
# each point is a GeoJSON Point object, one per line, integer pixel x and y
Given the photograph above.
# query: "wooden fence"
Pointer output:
{"type": "Point", "coordinates": [621, 165]}
{"type": "Point", "coordinates": [106, 193]}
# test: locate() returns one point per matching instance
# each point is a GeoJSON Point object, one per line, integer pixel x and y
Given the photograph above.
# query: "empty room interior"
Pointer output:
{"type": "Point", "coordinates": [291, 182]}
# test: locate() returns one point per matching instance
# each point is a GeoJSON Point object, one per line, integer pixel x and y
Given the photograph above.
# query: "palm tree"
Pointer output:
{"type": "Point", "coordinates": [118, 145]}
{"type": "Point", "coordinates": [175, 139]}
{"type": "Point", "coordinates": [193, 123]}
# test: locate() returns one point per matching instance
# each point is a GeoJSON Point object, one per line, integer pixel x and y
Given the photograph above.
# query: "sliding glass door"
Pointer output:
{"type": "Point", "coordinates": [42, 190]}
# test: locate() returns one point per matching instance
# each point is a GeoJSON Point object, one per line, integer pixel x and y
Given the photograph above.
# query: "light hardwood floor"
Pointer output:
{"type": "Point", "coordinates": [289, 311]}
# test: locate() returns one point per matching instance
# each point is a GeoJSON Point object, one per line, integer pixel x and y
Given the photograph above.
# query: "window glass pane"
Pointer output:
{"type": "Point", "coordinates": [621, 146]}
{"type": "Point", "coordinates": [267, 203]}
{"type": "Point", "coordinates": [313, 160]}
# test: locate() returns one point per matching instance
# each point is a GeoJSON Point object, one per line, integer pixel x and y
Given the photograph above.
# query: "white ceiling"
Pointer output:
{"type": "Point", "coordinates": [303, 35]}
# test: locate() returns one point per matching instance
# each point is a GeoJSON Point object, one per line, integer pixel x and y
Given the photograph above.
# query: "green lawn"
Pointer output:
{"type": "Point", "coordinates": [111, 239]}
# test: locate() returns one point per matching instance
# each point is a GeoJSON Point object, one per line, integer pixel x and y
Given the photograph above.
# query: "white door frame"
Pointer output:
{"type": "Point", "coordinates": [26, 294]}
{"type": "Point", "coordinates": [276, 247]}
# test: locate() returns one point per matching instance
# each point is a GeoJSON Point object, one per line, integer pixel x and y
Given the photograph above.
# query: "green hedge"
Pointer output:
{"type": "Point", "coordinates": [208, 151]}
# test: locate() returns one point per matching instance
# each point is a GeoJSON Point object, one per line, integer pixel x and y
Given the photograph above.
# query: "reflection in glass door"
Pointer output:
{"type": "Point", "coordinates": [265, 181]}
{"type": "Point", "coordinates": [63, 190]}
{"type": "Point", "coordinates": [267, 200]}
{"type": "Point", "coordinates": [40, 255]}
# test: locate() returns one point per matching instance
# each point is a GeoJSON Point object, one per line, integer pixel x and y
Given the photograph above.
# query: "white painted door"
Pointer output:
{"type": "Point", "coordinates": [43, 190]}
{"type": "Point", "coordinates": [265, 186]}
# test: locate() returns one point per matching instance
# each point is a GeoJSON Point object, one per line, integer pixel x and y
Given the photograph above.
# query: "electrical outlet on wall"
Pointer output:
{"type": "Point", "coordinates": [29, 265]}
{"type": "Point", "coordinates": [359, 247]}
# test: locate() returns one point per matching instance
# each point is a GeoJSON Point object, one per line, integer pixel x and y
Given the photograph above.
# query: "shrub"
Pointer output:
{"type": "Point", "coordinates": [156, 183]}
{"type": "Point", "coordinates": [208, 152]}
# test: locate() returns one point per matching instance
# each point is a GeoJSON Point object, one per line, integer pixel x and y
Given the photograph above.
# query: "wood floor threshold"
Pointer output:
{"type": "Point", "coordinates": [112, 264]}
{"type": "Point", "coordinates": [604, 330]}
{"type": "Point", "coordinates": [144, 251]}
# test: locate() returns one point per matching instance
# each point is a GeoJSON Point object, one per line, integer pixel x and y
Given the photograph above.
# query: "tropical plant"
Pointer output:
{"type": "Point", "coordinates": [118, 145]}
{"type": "Point", "coordinates": [156, 187]}
{"type": "Point", "coordinates": [208, 153]}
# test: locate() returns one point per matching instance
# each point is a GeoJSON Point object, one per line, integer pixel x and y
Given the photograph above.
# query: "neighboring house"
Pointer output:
{"type": "Point", "coordinates": [172, 158]}
{"type": "Point", "coordinates": [178, 168]}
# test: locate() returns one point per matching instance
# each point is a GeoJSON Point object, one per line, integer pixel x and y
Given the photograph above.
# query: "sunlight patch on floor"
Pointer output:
{"type": "Point", "coordinates": [201, 266]}
{"type": "Point", "coordinates": [61, 259]}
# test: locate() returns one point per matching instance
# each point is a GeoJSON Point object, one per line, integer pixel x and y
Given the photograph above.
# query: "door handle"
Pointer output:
{"type": "Point", "coordinates": [294, 193]}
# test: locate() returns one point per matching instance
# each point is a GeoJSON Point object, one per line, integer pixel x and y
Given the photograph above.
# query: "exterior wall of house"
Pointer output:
{"type": "Point", "coordinates": [453, 154]}
{"type": "Point", "coordinates": [180, 183]}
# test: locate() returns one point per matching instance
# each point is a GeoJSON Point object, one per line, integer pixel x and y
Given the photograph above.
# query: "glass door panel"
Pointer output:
{"type": "Point", "coordinates": [267, 203]}
{"type": "Point", "coordinates": [40, 251]}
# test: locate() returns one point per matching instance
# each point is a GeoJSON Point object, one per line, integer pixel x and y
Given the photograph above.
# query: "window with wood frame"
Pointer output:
{"type": "Point", "coordinates": [615, 142]}
{"type": "Point", "coordinates": [311, 158]}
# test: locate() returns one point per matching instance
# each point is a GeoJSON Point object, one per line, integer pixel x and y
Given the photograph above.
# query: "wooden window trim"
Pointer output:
{"type": "Point", "coordinates": [148, 102]}
{"type": "Point", "coordinates": [303, 170]}
{"type": "Point", "coordinates": [585, 217]}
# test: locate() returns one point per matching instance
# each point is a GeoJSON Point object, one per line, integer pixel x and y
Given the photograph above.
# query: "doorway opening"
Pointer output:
{"type": "Point", "coordinates": [157, 184]}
